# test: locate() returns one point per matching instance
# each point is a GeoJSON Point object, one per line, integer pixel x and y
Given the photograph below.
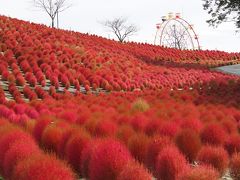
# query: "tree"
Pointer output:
{"type": "Point", "coordinates": [119, 27]}
{"type": "Point", "coordinates": [223, 11]}
{"type": "Point", "coordinates": [52, 7]}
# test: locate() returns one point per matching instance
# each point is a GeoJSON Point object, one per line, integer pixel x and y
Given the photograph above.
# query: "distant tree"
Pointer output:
{"type": "Point", "coordinates": [52, 7]}
{"type": "Point", "coordinates": [223, 11]}
{"type": "Point", "coordinates": [120, 28]}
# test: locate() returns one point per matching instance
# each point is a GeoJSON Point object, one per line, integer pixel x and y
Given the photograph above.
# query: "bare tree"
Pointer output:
{"type": "Point", "coordinates": [119, 27]}
{"type": "Point", "coordinates": [52, 7]}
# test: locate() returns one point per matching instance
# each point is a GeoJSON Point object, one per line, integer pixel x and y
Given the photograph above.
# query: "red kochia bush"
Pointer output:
{"type": "Point", "coordinates": [156, 144]}
{"type": "Point", "coordinates": [70, 116]}
{"type": "Point", "coordinates": [232, 145]}
{"type": "Point", "coordinates": [139, 122]}
{"type": "Point", "coordinates": [86, 156]}
{"type": "Point", "coordinates": [169, 129]}
{"type": "Point", "coordinates": [235, 166]}
{"type": "Point", "coordinates": [193, 124]}
{"type": "Point", "coordinates": [42, 167]}
{"type": "Point", "coordinates": [216, 157]}
{"type": "Point", "coordinates": [108, 160]}
{"type": "Point", "coordinates": [170, 163]}
{"type": "Point", "coordinates": [213, 134]}
{"type": "Point", "coordinates": [68, 132]}
{"type": "Point", "coordinates": [200, 173]}
{"type": "Point", "coordinates": [134, 171]}
{"type": "Point", "coordinates": [18, 151]}
{"type": "Point", "coordinates": [40, 125]}
{"type": "Point", "coordinates": [52, 135]}
{"type": "Point", "coordinates": [189, 143]}
{"type": "Point", "coordinates": [124, 133]}
{"type": "Point", "coordinates": [138, 146]}
{"type": "Point", "coordinates": [106, 128]}
{"type": "Point", "coordinates": [74, 147]}
{"type": "Point", "coordinates": [9, 138]}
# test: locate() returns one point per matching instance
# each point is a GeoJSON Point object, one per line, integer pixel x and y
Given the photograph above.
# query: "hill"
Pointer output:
{"type": "Point", "coordinates": [75, 106]}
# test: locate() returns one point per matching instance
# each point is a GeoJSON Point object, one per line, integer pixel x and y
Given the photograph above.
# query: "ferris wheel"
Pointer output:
{"type": "Point", "coordinates": [176, 32]}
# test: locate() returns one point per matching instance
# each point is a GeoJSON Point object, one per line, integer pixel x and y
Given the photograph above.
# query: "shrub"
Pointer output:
{"type": "Point", "coordinates": [74, 147]}
{"type": "Point", "coordinates": [8, 139]}
{"type": "Point", "coordinates": [65, 137]}
{"type": "Point", "coordinates": [105, 128]}
{"type": "Point", "coordinates": [169, 129]}
{"type": "Point", "coordinates": [139, 122]}
{"type": "Point", "coordinates": [29, 126]}
{"type": "Point", "coordinates": [124, 133]}
{"type": "Point", "coordinates": [156, 144]}
{"type": "Point", "coordinates": [229, 126]}
{"type": "Point", "coordinates": [235, 166]}
{"type": "Point", "coordinates": [153, 126]}
{"type": "Point", "coordinates": [52, 135]}
{"type": "Point", "coordinates": [138, 146]}
{"type": "Point", "coordinates": [140, 105]}
{"type": "Point", "coordinates": [18, 151]}
{"type": "Point", "coordinates": [170, 163]}
{"type": "Point", "coordinates": [42, 167]}
{"type": "Point", "coordinates": [40, 126]}
{"type": "Point", "coordinates": [134, 171]}
{"type": "Point", "coordinates": [213, 134]}
{"type": "Point", "coordinates": [108, 160]}
{"type": "Point", "coordinates": [193, 124]}
{"type": "Point", "coordinates": [232, 145]}
{"type": "Point", "coordinates": [69, 116]}
{"type": "Point", "coordinates": [189, 143]}
{"type": "Point", "coordinates": [200, 173]}
{"type": "Point", "coordinates": [216, 157]}
{"type": "Point", "coordinates": [86, 156]}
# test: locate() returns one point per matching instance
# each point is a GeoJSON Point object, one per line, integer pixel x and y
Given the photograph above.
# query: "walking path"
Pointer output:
{"type": "Point", "coordinates": [232, 69]}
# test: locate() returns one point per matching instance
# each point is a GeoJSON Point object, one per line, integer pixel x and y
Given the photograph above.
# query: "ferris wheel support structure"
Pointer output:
{"type": "Point", "coordinates": [188, 30]}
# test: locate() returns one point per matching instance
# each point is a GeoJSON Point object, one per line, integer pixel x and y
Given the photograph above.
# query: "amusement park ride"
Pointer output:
{"type": "Point", "coordinates": [176, 32]}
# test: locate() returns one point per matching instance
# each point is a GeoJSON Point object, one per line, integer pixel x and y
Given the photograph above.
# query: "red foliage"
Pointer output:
{"type": "Point", "coordinates": [232, 145]}
{"type": "Point", "coordinates": [18, 151]}
{"type": "Point", "coordinates": [68, 132]}
{"type": "Point", "coordinates": [133, 171]}
{"type": "Point", "coordinates": [189, 143]}
{"type": "Point", "coordinates": [235, 166]}
{"type": "Point", "coordinates": [170, 163]}
{"type": "Point", "coordinates": [193, 124]}
{"type": "Point", "coordinates": [213, 134]}
{"type": "Point", "coordinates": [138, 146]}
{"type": "Point", "coordinates": [139, 123]}
{"type": "Point", "coordinates": [216, 157]}
{"type": "Point", "coordinates": [74, 147]}
{"type": "Point", "coordinates": [70, 116]}
{"type": "Point", "coordinates": [53, 134]}
{"type": "Point", "coordinates": [169, 129]}
{"type": "Point", "coordinates": [200, 173]}
{"type": "Point", "coordinates": [108, 160]}
{"type": "Point", "coordinates": [124, 133]}
{"type": "Point", "coordinates": [105, 128]}
{"type": "Point", "coordinates": [40, 125]}
{"type": "Point", "coordinates": [40, 167]}
{"type": "Point", "coordinates": [86, 156]}
{"type": "Point", "coordinates": [156, 144]}
{"type": "Point", "coordinates": [8, 139]}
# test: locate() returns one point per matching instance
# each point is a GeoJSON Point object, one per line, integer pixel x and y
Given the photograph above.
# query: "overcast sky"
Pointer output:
{"type": "Point", "coordinates": [85, 15]}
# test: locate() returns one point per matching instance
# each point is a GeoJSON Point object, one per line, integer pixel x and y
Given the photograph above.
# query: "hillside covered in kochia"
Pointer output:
{"type": "Point", "coordinates": [74, 106]}
{"type": "Point", "coordinates": [36, 55]}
